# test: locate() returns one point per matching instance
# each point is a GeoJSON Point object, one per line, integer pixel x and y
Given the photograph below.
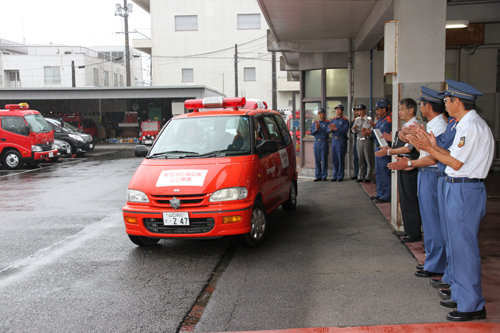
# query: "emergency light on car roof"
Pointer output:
{"type": "Point", "coordinates": [20, 106]}
{"type": "Point", "coordinates": [215, 102]}
{"type": "Point", "coordinates": [254, 104]}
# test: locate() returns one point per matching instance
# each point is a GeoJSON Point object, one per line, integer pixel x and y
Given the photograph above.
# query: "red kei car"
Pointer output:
{"type": "Point", "coordinates": [213, 173]}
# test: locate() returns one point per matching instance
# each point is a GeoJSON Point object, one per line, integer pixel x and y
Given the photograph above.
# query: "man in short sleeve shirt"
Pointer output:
{"type": "Point", "coordinates": [468, 162]}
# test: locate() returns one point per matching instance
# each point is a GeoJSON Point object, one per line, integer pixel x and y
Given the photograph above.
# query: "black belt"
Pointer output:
{"type": "Point", "coordinates": [319, 140]}
{"type": "Point", "coordinates": [441, 174]}
{"type": "Point", "coordinates": [428, 169]}
{"type": "Point", "coordinates": [463, 180]}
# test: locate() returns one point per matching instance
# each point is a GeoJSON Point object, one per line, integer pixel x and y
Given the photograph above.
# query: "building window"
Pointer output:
{"type": "Point", "coordinates": [121, 80]}
{"type": "Point", "coordinates": [186, 23]}
{"type": "Point", "coordinates": [115, 80]}
{"type": "Point", "coordinates": [52, 74]}
{"type": "Point", "coordinates": [249, 74]}
{"type": "Point", "coordinates": [96, 77]}
{"type": "Point", "coordinates": [12, 79]}
{"type": "Point", "coordinates": [106, 78]}
{"type": "Point", "coordinates": [117, 57]}
{"type": "Point", "coordinates": [187, 75]}
{"type": "Point", "coordinates": [248, 21]}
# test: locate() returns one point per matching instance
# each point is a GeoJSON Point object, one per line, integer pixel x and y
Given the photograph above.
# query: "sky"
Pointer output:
{"type": "Point", "coordinates": [70, 22]}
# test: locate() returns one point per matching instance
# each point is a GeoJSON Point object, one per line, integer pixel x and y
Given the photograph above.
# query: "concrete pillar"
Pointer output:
{"type": "Point", "coordinates": [421, 55]}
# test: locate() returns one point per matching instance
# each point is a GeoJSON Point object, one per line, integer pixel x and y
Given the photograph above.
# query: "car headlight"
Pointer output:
{"type": "Point", "coordinates": [54, 146]}
{"type": "Point", "coordinates": [228, 194]}
{"type": "Point", "coordinates": [36, 148]}
{"type": "Point", "coordinates": [76, 137]}
{"type": "Point", "coordinates": [137, 196]}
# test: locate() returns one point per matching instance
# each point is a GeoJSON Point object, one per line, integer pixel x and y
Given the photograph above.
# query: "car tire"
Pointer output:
{"type": "Point", "coordinates": [12, 160]}
{"type": "Point", "coordinates": [291, 202]}
{"type": "Point", "coordinates": [143, 241]}
{"type": "Point", "coordinates": [258, 226]}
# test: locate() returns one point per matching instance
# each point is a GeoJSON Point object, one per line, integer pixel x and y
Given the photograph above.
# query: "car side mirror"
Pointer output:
{"type": "Point", "coordinates": [267, 147]}
{"type": "Point", "coordinates": [141, 151]}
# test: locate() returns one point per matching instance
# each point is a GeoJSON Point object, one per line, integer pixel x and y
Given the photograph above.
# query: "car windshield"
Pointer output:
{"type": "Point", "coordinates": [149, 126]}
{"type": "Point", "coordinates": [204, 136]}
{"type": "Point", "coordinates": [37, 123]}
{"type": "Point", "coordinates": [72, 122]}
{"type": "Point", "coordinates": [70, 127]}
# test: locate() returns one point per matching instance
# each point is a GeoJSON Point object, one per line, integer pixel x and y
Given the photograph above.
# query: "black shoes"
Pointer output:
{"type": "Point", "coordinates": [367, 181]}
{"type": "Point", "coordinates": [352, 178]}
{"type": "Point", "coordinates": [333, 180]}
{"type": "Point", "coordinates": [424, 273]}
{"type": "Point", "coordinates": [419, 267]}
{"type": "Point", "coordinates": [373, 197]}
{"type": "Point", "coordinates": [324, 179]}
{"type": "Point", "coordinates": [411, 239]}
{"type": "Point", "coordinates": [359, 180]}
{"type": "Point", "coordinates": [438, 284]}
{"type": "Point", "coordinates": [445, 293]}
{"type": "Point", "coordinates": [401, 233]}
{"type": "Point", "coordinates": [466, 316]}
{"type": "Point", "coordinates": [378, 200]}
{"type": "Point", "coordinates": [316, 179]}
{"type": "Point", "coordinates": [449, 303]}
{"type": "Point", "coordinates": [339, 180]}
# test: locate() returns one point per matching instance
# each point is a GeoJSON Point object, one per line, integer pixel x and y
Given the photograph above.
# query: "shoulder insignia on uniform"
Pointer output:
{"type": "Point", "coordinates": [462, 142]}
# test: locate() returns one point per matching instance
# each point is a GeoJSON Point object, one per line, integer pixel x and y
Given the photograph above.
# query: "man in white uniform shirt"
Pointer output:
{"type": "Point", "coordinates": [468, 162]}
{"type": "Point", "coordinates": [407, 180]}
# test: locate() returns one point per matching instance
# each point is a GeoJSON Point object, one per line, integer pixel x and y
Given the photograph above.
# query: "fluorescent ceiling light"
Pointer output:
{"type": "Point", "coordinates": [457, 24]}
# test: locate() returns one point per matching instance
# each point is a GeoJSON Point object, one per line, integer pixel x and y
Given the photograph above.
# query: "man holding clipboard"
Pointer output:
{"type": "Point", "coordinates": [382, 172]}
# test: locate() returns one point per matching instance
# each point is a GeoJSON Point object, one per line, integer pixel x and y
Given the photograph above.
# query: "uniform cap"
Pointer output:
{"type": "Point", "coordinates": [340, 107]}
{"type": "Point", "coordinates": [461, 90]}
{"type": "Point", "coordinates": [430, 95]}
{"type": "Point", "coordinates": [360, 107]}
{"type": "Point", "coordinates": [381, 104]}
{"type": "Point", "coordinates": [321, 110]}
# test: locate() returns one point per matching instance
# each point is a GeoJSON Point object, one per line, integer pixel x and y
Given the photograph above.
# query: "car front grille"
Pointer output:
{"type": "Point", "coordinates": [185, 200]}
{"type": "Point", "coordinates": [197, 226]}
{"type": "Point", "coordinates": [45, 146]}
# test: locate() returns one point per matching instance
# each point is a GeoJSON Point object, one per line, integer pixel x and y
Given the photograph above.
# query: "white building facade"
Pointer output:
{"type": "Point", "coordinates": [52, 66]}
{"type": "Point", "coordinates": [195, 42]}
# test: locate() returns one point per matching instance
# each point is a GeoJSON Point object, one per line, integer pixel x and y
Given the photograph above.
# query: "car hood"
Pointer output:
{"type": "Point", "coordinates": [187, 176]}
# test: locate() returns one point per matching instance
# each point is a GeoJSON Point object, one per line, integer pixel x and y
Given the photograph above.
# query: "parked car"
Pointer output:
{"type": "Point", "coordinates": [63, 149]}
{"type": "Point", "coordinates": [211, 174]}
{"type": "Point", "coordinates": [79, 141]}
{"type": "Point", "coordinates": [85, 124]}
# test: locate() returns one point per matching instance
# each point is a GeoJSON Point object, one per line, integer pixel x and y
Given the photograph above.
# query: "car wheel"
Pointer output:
{"type": "Point", "coordinates": [143, 241]}
{"type": "Point", "coordinates": [291, 203]}
{"type": "Point", "coordinates": [12, 160]}
{"type": "Point", "coordinates": [258, 226]}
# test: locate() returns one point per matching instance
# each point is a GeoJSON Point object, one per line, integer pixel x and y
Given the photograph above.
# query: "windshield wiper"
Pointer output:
{"type": "Point", "coordinates": [172, 152]}
{"type": "Point", "coordinates": [211, 153]}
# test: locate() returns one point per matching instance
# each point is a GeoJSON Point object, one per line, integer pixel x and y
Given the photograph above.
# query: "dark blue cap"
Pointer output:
{"type": "Point", "coordinates": [321, 110]}
{"type": "Point", "coordinates": [360, 107]}
{"type": "Point", "coordinates": [383, 103]}
{"type": "Point", "coordinates": [430, 95]}
{"type": "Point", "coordinates": [461, 90]}
{"type": "Point", "coordinates": [340, 107]}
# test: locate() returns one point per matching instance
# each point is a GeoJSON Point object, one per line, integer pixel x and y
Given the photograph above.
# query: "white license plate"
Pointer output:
{"type": "Point", "coordinates": [51, 154]}
{"type": "Point", "coordinates": [68, 150]}
{"type": "Point", "coordinates": [176, 218]}
{"type": "Point", "coordinates": [91, 145]}
{"type": "Point", "coordinates": [148, 142]}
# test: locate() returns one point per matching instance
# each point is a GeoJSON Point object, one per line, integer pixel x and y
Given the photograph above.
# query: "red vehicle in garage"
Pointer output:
{"type": "Point", "coordinates": [25, 137]}
{"type": "Point", "coordinates": [149, 132]}
{"type": "Point", "coordinates": [212, 173]}
{"type": "Point", "coordinates": [85, 124]}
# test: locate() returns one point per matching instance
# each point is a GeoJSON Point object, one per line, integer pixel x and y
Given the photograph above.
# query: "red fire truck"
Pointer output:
{"type": "Point", "coordinates": [149, 132]}
{"type": "Point", "coordinates": [25, 137]}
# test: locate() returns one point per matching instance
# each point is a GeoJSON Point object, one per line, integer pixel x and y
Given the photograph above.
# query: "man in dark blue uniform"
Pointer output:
{"type": "Point", "coordinates": [319, 129]}
{"type": "Point", "coordinates": [338, 127]}
{"type": "Point", "coordinates": [382, 172]}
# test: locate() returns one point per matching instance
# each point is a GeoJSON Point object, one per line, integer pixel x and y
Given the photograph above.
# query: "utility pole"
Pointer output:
{"type": "Point", "coordinates": [127, 48]}
{"type": "Point", "coordinates": [275, 93]}
{"type": "Point", "coordinates": [124, 12]}
{"type": "Point", "coordinates": [235, 70]}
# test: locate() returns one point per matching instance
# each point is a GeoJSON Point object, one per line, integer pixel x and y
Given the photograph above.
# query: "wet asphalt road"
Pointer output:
{"type": "Point", "coordinates": [66, 263]}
